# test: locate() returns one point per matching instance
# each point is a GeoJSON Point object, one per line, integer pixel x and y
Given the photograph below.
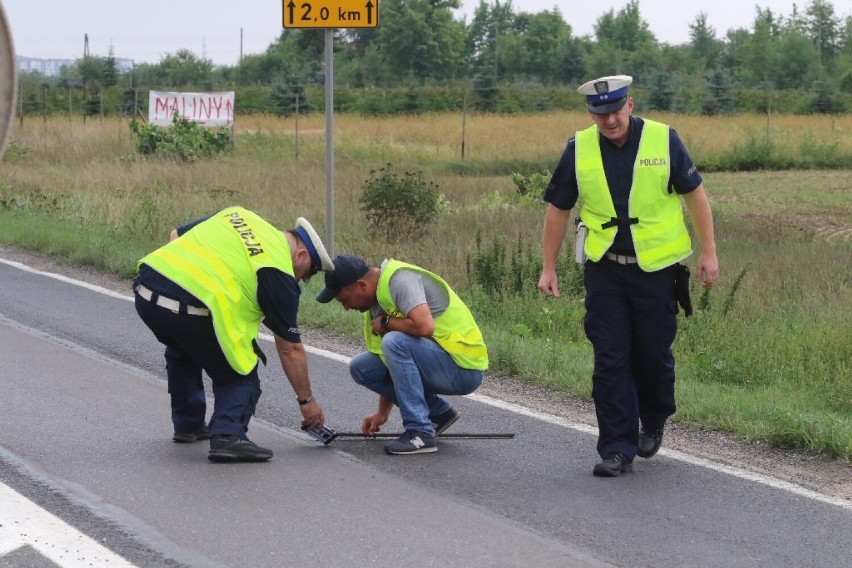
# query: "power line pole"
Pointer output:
{"type": "Point", "coordinates": [86, 64]}
{"type": "Point", "coordinates": [239, 79]}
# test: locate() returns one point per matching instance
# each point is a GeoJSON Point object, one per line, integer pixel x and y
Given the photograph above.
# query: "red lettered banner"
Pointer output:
{"type": "Point", "coordinates": [207, 109]}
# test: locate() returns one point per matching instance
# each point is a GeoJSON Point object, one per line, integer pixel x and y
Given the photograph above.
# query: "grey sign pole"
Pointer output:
{"type": "Point", "coordinates": [329, 141]}
{"type": "Point", "coordinates": [329, 15]}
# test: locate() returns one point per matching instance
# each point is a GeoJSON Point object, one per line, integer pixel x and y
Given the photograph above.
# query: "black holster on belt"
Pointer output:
{"type": "Point", "coordinates": [682, 288]}
{"type": "Point", "coordinates": [258, 351]}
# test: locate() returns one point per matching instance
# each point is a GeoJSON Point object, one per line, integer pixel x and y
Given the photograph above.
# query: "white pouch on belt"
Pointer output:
{"type": "Point", "coordinates": [580, 243]}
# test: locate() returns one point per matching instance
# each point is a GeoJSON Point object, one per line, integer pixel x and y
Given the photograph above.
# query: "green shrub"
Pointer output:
{"type": "Point", "coordinates": [397, 206]}
{"type": "Point", "coordinates": [531, 186]}
{"type": "Point", "coordinates": [502, 271]}
{"type": "Point", "coordinates": [185, 139]}
{"type": "Point", "coordinates": [755, 153]}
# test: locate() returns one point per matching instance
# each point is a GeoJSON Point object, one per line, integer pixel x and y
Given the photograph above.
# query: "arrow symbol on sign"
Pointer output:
{"type": "Point", "coordinates": [369, 12]}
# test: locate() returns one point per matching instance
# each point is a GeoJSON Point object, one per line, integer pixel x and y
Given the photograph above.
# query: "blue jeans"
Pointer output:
{"type": "Point", "coordinates": [417, 371]}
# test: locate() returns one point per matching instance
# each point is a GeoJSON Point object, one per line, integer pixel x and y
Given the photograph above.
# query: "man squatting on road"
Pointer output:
{"type": "Point", "coordinates": [204, 295]}
{"type": "Point", "coordinates": [629, 174]}
{"type": "Point", "coordinates": [422, 342]}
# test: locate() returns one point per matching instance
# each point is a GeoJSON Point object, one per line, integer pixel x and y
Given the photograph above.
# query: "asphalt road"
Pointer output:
{"type": "Point", "coordinates": [85, 433]}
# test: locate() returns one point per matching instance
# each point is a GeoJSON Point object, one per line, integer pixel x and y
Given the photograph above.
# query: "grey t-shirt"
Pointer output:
{"type": "Point", "coordinates": [410, 289]}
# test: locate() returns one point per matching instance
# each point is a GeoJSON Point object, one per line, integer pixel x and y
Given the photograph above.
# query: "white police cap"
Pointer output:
{"type": "Point", "coordinates": [319, 257]}
{"type": "Point", "coordinates": [606, 94]}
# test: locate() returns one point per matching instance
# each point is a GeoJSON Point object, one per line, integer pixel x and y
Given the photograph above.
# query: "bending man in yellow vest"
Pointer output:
{"type": "Point", "coordinates": [630, 175]}
{"type": "Point", "coordinates": [204, 295]}
{"type": "Point", "coordinates": [422, 342]}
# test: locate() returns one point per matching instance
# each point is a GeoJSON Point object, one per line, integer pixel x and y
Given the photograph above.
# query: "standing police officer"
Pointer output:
{"type": "Point", "coordinates": [629, 174]}
{"type": "Point", "coordinates": [204, 295]}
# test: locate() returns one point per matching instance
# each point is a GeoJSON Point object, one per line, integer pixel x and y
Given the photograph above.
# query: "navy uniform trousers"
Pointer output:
{"type": "Point", "coordinates": [631, 320]}
{"type": "Point", "coordinates": [191, 346]}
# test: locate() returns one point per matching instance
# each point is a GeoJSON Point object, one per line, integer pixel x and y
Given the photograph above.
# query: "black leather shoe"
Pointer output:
{"type": "Point", "coordinates": [613, 465]}
{"type": "Point", "coordinates": [235, 449]}
{"type": "Point", "coordinates": [649, 443]}
{"type": "Point", "coordinates": [190, 437]}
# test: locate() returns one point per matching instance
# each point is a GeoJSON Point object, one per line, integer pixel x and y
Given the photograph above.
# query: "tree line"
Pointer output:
{"type": "Point", "coordinates": [423, 59]}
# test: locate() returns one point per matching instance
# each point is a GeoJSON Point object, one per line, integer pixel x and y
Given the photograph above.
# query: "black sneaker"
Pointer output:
{"type": "Point", "coordinates": [236, 449]}
{"type": "Point", "coordinates": [444, 420]}
{"type": "Point", "coordinates": [649, 443]}
{"type": "Point", "coordinates": [189, 437]}
{"type": "Point", "coordinates": [613, 465]}
{"type": "Point", "coordinates": [412, 442]}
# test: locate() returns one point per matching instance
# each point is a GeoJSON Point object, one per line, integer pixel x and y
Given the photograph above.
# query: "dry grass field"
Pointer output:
{"type": "Point", "coordinates": [92, 172]}
{"type": "Point", "coordinates": [542, 136]}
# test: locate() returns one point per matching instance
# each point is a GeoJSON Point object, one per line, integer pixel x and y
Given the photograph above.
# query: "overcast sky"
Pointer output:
{"type": "Point", "coordinates": [146, 31]}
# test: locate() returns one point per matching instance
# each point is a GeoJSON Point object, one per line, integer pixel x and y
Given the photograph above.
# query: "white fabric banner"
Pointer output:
{"type": "Point", "coordinates": [207, 109]}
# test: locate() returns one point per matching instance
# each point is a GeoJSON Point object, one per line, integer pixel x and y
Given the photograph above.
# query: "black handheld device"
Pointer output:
{"type": "Point", "coordinates": [322, 433]}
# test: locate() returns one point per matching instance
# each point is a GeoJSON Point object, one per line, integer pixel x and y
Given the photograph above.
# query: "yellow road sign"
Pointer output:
{"type": "Point", "coordinates": [331, 13]}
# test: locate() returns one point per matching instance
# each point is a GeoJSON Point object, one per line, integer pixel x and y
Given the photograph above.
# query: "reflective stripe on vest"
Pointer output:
{"type": "Point", "coordinates": [455, 329]}
{"type": "Point", "coordinates": [217, 262]}
{"type": "Point", "coordinates": [660, 237]}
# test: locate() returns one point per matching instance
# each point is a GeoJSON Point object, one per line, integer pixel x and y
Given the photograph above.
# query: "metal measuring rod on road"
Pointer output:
{"type": "Point", "coordinates": [463, 435]}
{"type": "Point", "coordinates": [326, 435]}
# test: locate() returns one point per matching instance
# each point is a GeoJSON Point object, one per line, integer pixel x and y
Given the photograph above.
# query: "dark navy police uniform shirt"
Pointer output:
{"type": "Point", "coordinates": [277, 294]}
{"type": "Point", "coordinates": [562, 192]}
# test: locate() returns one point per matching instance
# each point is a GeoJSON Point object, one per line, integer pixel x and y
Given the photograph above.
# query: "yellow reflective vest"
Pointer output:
{"type": "Point", "coordinates": [455, 329]}
{"type": "Point", "coordinates": [660, 236]}
{"type": "Point", "coordinates": [217, 262]}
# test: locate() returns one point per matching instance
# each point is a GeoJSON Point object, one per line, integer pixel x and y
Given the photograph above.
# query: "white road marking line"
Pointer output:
{"type": "Point", "coordinates": [673, 454]}
{"type": "Point", "coordinates": [22, 523]}
{"type": "Point", "coordinates": [55, 276]}
{"type": "Point", "coordinates": [518, 409]}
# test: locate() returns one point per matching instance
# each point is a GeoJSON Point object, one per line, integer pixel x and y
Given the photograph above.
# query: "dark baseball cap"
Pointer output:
{"type": "Point", "coordinates": [348, 268]}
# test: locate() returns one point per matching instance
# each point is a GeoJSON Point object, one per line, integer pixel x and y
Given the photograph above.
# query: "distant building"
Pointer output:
{"type": "Point", "coordinates": [52, 67]}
